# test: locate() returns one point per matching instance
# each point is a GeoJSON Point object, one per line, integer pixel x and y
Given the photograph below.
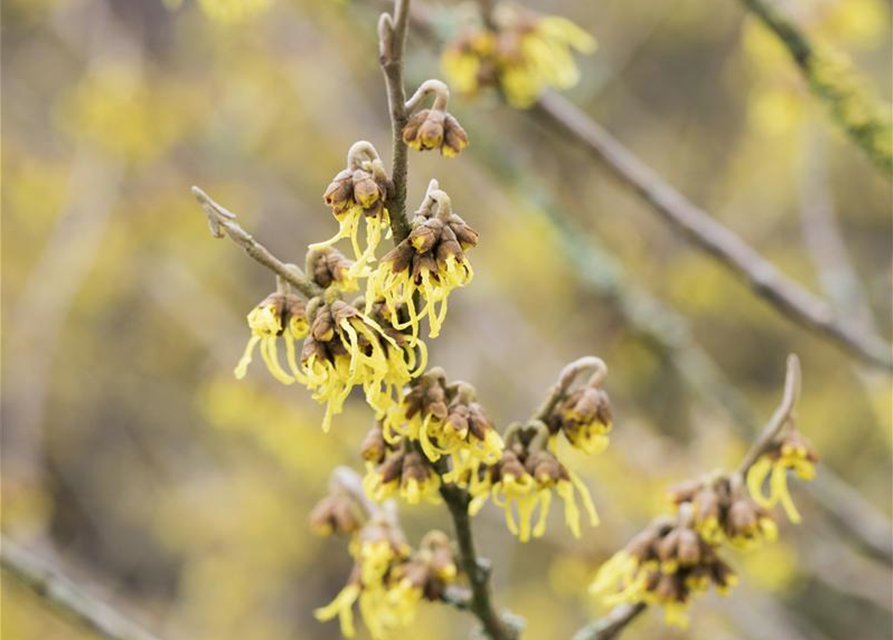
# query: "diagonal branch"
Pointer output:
{"type": "Point", "coordinates": [222, 223]}
{"type": "Point", "coordinates": [67, 597]}
{"type": "Point", "coordinates": [765, 279]}
{"type": "Point", "coordinates": [611, 625]}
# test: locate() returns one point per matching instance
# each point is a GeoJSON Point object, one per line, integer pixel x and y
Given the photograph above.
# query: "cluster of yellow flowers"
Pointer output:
{"type": "Point", "coordinates": [677, 558]}
{"type": "Point", "coordinates": [428, 264]}
{"type": "Point", "coordinates": [522, 480]}
{"type": "Point", "coordinates": [389, 579]}
{"type": "Point", "coordinates": [520, 52]}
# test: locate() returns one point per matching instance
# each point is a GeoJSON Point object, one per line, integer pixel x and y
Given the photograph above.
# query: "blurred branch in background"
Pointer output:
{"type": "Point", "coordinates": [67, 597]}
{"type": "Point", "coordinates": [832, 79]}
{"type": "Point", "coordinates": [823, 237]}
{"type": "Point", "coordinates": [786, 295]}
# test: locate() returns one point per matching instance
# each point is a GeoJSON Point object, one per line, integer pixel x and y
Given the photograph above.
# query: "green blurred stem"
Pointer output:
{"type": "Point", "coordinates": [67, 597]}
{"type": "Point", "coordinates": [832, 79]}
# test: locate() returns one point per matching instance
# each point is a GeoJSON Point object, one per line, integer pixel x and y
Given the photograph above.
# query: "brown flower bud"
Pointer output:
{"type": "Point", "coordinates": [374, 446]}
{"type": "Point", "coordinates": [339, 194]}
{"type": "Point", "coordinates": [323, 327]}
{"type": "Point", "coordinates": [454, 137]}
{"type": "Point", "coordinates": [466, 236]}
{"type": "Point", "coordinates": [366, 191]}
{"type": "Point", "coordinates": [425, 236]}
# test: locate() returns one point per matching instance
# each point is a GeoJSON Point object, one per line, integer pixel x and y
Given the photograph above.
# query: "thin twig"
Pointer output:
{"type": "Point", "coordinates": [222, 223]}
{"type": "Point", "coordinates": [780, 418]}
{"type": "Point", "coordinates": [767, 281]}
{"type": "Point", "coordinates": [66, 596]}
{"type": "Point", "coordinates": [832, 80]}
{"type": "Point", "coordinates": [611, 625]}
{"type": "Point", "coordinates": [392, 42]}
{"type": "Point", "coordinates": [566, 378]}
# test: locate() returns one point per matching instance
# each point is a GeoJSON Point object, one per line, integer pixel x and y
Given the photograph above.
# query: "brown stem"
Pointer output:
{"type": "Point", "coordinates": [392, 31]}
{"type": "Point", "coordinates": [794, 301]}
{"type": "Point", "coordinates": [783, 413]}
{"type": "Point", "coordinates": [480, 603]}
{"type": "Point", "coordinates": [612, 624]}
{"type": "Point", "coordinates": [222, 223]}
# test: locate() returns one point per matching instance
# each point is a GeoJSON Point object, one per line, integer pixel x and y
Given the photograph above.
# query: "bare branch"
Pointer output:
{"type": "Point", "coordinates": [66, 596]}
{"type": "Point", "coordinates": [611, 625]}
{"type": "Point", "coordinates": [765, 279]}
{"type": "Point", "coordinates": [782, 415]}
{"type": "Point", "coordinates": [392, 42]}
{"type": "Point", "coordinates": [222, 223]}
{"type": "Point", "coordinates": [478, 572]}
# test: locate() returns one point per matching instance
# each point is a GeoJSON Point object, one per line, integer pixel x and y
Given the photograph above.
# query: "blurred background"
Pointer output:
{"type": "Point", "coordinates": [133, 460]}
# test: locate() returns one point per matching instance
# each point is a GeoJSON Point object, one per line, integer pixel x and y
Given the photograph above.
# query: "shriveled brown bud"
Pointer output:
{"type": "Point", "coordinates": [425, 236]}
{"type": "Point", "coordinates": [742, 516]}
{"type": "Point", "coordinates": [689, 548]}
{"type": "Point", "coordinates": [335, 514]}
{"type": "Point", "coordinates": [466, 236]}
{"type": "Point", "coordinates": [454, 137]}
{"type": "Point", "coordinates": [425, 130]}
{"type": "Point", "coordinates": [684, 491]}
{"type": "Point", "coordinates": [339, 194]}
{"type": "Point", "coordinates": [323, 327]}
{"type": "Point", "coordinates": [400, 257]}
{"type": "Point", "coordinates": [543, 466]}
{"type": "Point", "coordinates": [366, 191]}
{"type": "Point", "coordinates": [374, 446]}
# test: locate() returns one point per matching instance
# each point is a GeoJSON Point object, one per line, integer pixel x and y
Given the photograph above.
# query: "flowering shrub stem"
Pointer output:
{"type": "Point", "coordinates": [392, 42]}
{"type": "Point", "coordinates": [480, 603]}
{"type": "Point", "coordinates": [611, 625]}
{"type": "Point", "coordinates": [67, 597]}
{"type": "Point", "coordinates": [222, 223]}
{"type": "Point", "coordinates": [779, 418]}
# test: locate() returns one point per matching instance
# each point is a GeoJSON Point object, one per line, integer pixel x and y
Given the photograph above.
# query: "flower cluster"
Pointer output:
{"type": "Point", "coordinates": [434, 128]}
{"type": "Point", "coordinates": [359, 193]}
{"type": "Point", "coordinates": [675, 559]}
{"type": "Point", "coordinates": [583, 414]}
{"type": "Point", "coordinates": [522, 481]}
{"type": "Point", "coordinates": [667, 564]}
{"type": "Point", "coordinates": [724, 512]}
{"type": "Point", "coordinates": [343, 347]}
{"type": "Point", "coordinates": [397, 468]}
{"type": "Point", "coordinates": [283, 315]}
{"type": "Point", "coordinates": [520, 52]}
{"type": "Point", "coordinates": [389, 579]}
{"type": "Point", "coordinates": [790, 451]}
{"type": "Point", "coordinates": [445, 419]}
{"type": "Point", "coordinates": [429, 263]}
